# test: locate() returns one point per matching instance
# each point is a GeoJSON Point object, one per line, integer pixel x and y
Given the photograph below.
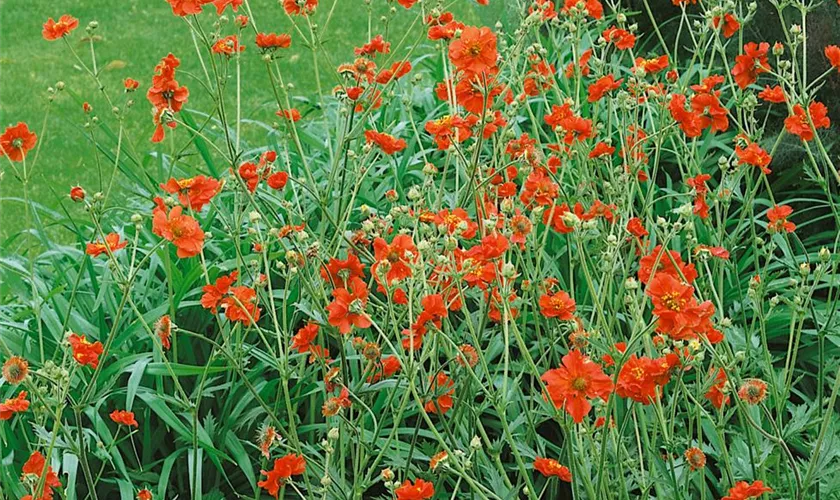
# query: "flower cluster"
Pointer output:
{"type": "Point", "coordinates": [479, 251]}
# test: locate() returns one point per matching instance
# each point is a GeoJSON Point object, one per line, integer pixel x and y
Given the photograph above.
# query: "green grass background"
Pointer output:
{"type": "Point", "coordinates": [132, 37]}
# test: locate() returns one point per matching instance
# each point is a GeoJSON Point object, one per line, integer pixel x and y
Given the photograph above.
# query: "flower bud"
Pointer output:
{"type": "Point", "coordinates": [804, 269]}
{"type": "Point", "coordinates": [825, 254]}
{"type": "Point", "coordinates": [387, 475]}
{"type": "Point", "coordinates": [77, 193]}
{"type": "Point", "coordinates": [508, 270]}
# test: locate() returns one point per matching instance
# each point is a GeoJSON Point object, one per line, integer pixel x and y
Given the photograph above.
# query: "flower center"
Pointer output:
{"type": "Point", "coordinates": [356, 307]}
{"type": "Point", "coordinates": [474, 48]}
{"type": "Point", "coordinates": [672, 301]}
{"type": "Point", "coordinates": [579, 383]}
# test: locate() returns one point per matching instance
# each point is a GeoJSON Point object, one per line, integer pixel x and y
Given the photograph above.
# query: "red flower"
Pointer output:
{"type": "Point", "coordinates": [750, 64]}
{"type": "Point", "coordinates": [347, 308]}
{"type": "Point", "coordinates": [640, 378]}
{"type": "Point", "coordinates": [163, 331]}
{"type": "Point", "coordinates": [798, 123]}
{"type": "Point", "coordinates": [593, 7]}
{"type": "Point", "coordinates": [334, 405]}
{"type": "Point", "coordinates": [272, 41]}
{"type": "Point", "coordinates": [753, 155]}
{"type": "Point", "coordinates": [539, 78]}
{"type": "Point", "coordinates": [14, 405]}
{"type": "Point", "coordinates": [555, 216]}
{"type": "Point", "coordinates": [456, 221]}
{"type": "Point", "coordinates": [443, 29]}
{"type": "Point", "coordinates": [583, 65]}
{"type": "Point", "coordinates": [619, 348]}
{"type": "Point", "coordinates": [376, 45]}
{"type": "Point", "coordinates": [601, 86]}
{"type": "Point", "coordinates": [521, 227]}
{"type": "Point", "coordinates": [397, 70]}
{"type": "Point", "coordinates": [131, 84]}
{"type": "Point", "coordinates": [678, 313]}
{"type": "Point", "coordinates": [659, 262]}
{"type": "Point", "coordinates": [575, 127]}
{"type": "Point", "coordinates": [753, 391]}
{"type": "Point", "coordinates": [730, 24]}
{"type": "Point", "coordinates": [55, 30]}
{"type": "Point", "coordinates": [166, 95]}
{"type": "Point", "coordinates": [474, 93]}
{"type": "Point", "coordinates": [339, 272]}
{"type": "Point", "coordinates": [15, 370]}
{"type": "Point", "coordinates": [17, 141]}
{"type": "Point", "coordinates": [775, 94]}
{"type": "Point", "coordinates": [637, 228]}
{"type": "Point", "coordinates": [445, 129]}
{"type": "Point", "coordinates": [434, 310]}
{"type": "Point", "coordinates": [539, 188]}
{"type": "Point", "coordinates": [123, 417]}
{"type": "Point", "coordinates": [601, 149]}
{"type": "Point", "coordinates": [719, 252]}
{"type": "Point", "coordinates": [222, 4]}
{"type": "Point", "coordinates": [284, 468]}
{"type": "Point", "coordinates": [388, 143]}
{"type": "Point", "coordinates": [493, 246]}
{"type": "Point", "coordinates": [185, 8]}
{"type": "Point", "coordinates": [111, 244]}
{"type": "Point", "coordinates": [399, 255]}
{"type": "Point", "coordinates": [300, 7]}
{"type": "Point", "coordinates": [228, 46]}
{"type": "Point", "coordinates": [701, 208]}
{"type": "Point", "coordinates": [386, 368]}
{"type": "Point", "coordinates": [832, 53]}
{"type": "Point", "coordinates": [696, 458]}
{"type": "Point", "coordinates": [302, 340]}
{"type": "Point", "coordinates": [475, 51]}
{"type": "Point", "coordinates": [549, 467]}
{"type": "Point", "coordinates": [689, 121]}
{"type": "Point", "coordinates": [419, 490]}
{"type": "Point", "coordinates": [195, 192]}
{"type": "Point", "coordinates": [442, 389]}
{"type": "Point", "coordinates": [293, 115]}
{"type": "Point", "coordinates": [709, 111]}
{"type": "Point", "coordinates": [777, 219]}
{"type": "Point", "coordinates": [84, 352]}
{"type": "Point", "coordinates": [182, 230]}
{"type": "Point", "coordinates": [144, 494]}
{"type": "Point", "coordinates": [251, 175]}
{"type": "Point", "coordinates": [36, 466]}
{"type": "Point", "coordinates": [559, 305]}
{"type": "Point", "coordinates": [622, 39]}
{"type": "Point", "coordinates": [745, 491]}
{"type": "Point", "coordinates": [213, 294]}
{"type": "Point", "coordinates": [241, 305]}
{"type": "Point", "coordinates": [651, 66]}
{"type": "Point", "coordinates": [716, 393]}
{"type": "Point", "coordinates": [576, 382]}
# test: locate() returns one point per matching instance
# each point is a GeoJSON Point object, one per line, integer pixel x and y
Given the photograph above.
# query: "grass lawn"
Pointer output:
{"type": "Point", "coordinates": [132, 37]}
